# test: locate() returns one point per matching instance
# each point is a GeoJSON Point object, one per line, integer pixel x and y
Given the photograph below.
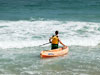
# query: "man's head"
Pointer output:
{"type": "Point", "coordinates": [56, 32]}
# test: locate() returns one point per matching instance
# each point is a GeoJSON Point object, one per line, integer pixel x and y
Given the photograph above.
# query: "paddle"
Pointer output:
{"type": "Point", "coordinates": [45, 44]}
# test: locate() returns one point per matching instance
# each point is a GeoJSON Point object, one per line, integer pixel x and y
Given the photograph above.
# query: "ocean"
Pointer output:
{"type": "Point", "coordinates": [27, 24]}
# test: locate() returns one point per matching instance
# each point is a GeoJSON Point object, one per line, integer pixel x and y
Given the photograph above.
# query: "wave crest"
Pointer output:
{"type": "Point", "coordinates": [71, 32]}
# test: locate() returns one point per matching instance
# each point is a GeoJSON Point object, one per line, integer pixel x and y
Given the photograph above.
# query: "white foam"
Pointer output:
{"type": "Point", "coordinates": [19, 34]}
{"type": "Point", "coordinates": [20, 44]}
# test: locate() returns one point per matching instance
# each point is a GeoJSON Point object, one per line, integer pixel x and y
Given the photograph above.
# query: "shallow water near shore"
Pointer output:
{"type": "Point", "coordinates": [26, 61]}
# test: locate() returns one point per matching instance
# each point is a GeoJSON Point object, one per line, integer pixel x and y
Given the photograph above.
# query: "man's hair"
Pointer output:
{"type": "Point", "coordinates": [56, 32]}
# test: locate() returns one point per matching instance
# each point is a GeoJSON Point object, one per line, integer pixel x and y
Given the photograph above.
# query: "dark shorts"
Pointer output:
{"type": "Point", "coordinates": [54, 46]}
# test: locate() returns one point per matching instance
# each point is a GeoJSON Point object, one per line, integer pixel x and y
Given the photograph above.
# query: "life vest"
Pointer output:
{"type": "Point", "coordinates": [55, 40]}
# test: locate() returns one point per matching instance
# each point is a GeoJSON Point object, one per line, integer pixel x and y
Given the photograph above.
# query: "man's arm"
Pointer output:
{"type": "Point", "coordinates": [50, 39]}
{"type": "Point", "coordinates": [61, 43]}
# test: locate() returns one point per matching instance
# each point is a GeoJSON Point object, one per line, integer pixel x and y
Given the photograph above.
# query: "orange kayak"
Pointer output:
{"type": "Point", "coordinates": [54, 52]}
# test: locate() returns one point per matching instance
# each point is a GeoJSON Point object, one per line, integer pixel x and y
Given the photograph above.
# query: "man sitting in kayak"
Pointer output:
{"type": "Point", "coordinates": [54, 40]}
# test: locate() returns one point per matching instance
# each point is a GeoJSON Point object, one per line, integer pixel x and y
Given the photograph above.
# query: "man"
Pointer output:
{"type": "Point", "coordinates": [54, 40]}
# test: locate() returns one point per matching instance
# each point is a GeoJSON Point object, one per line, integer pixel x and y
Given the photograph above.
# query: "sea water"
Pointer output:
{"type": "Point", "coordinates": [26, 24]}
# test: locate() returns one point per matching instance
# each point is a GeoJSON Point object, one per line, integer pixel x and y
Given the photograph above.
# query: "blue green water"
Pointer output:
{"type": "Point", "coordinates": [83, 10]}
{"type": "Point", "coordinates": [26, 24]}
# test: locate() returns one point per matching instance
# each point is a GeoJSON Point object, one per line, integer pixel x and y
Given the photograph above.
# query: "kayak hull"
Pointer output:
{"type": "Point", "coordinates": [54, 53]}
